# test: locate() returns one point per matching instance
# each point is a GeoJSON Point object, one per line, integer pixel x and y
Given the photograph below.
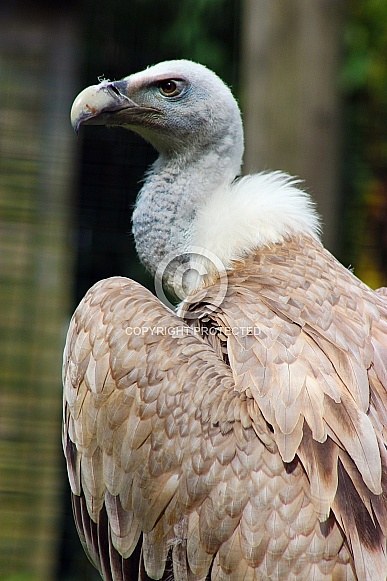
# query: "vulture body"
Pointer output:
{"type": "Point", "coordinates": [243, 437]}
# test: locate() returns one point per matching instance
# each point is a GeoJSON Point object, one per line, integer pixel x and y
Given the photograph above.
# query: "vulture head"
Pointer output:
{"type": "Point", "coordinates": [190, 198]}
{"type": "Point", "coordinates": [180, 107]}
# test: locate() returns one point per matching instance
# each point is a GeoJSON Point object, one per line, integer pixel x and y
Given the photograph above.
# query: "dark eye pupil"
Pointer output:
{"type": "Point", "coordinates": [168, 87]}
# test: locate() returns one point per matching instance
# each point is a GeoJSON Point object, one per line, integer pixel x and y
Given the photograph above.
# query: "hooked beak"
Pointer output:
{"type": "Point", "coordinates": [108, 104]}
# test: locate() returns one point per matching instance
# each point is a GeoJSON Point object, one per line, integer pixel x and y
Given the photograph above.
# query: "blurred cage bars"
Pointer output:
{"type": "Point", "coordinates": [37, 69]}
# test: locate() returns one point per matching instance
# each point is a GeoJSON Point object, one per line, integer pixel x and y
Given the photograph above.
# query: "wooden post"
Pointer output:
{"type": "Point", "coordinates": [290, 63]}
{"type": "Point", "coordinates": [38, 66]}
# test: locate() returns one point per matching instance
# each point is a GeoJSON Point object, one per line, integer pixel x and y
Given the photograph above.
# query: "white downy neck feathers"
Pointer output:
{"type": "Point", "coordinates": [252, 212]}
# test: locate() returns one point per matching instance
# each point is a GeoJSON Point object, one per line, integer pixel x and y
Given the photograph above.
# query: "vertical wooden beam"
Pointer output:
{"type": "Point", "coordinates": [38, 69]}
{"type": "Point", "coordinates": [290, 64]}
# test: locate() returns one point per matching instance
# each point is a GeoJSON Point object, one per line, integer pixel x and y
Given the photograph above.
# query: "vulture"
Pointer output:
{"type": "Point", "coordinates": [242, 435]}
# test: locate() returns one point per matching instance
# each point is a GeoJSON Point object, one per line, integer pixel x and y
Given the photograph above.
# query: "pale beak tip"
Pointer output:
{"type": "Point", "coordinates": [83, 108]}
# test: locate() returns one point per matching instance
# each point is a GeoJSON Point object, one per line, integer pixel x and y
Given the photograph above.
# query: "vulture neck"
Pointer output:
{"type": "Point", "coordinates": [191, 200]}
{"type": "Point", "coordinates": [175, 188]}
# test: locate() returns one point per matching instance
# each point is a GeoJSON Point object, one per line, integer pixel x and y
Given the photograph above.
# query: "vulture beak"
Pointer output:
{"type": "Point", "coordinates": [108, 104]}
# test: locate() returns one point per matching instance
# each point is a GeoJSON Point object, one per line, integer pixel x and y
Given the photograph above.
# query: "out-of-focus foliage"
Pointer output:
{"type": "Point", "coordinates": [365, 66]}
{"type": "Point", "coordinates": [203, 29]}
{"type": "Point", "coordinates": [22, 577]}
{"type": "Point", "coordinates": [136, 33]}
{"type": "Point", "coordinates": [364, 81]}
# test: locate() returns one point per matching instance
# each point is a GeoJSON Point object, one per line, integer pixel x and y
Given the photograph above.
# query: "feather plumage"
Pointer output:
{"type": "Point", "coordinates": [241, 439]}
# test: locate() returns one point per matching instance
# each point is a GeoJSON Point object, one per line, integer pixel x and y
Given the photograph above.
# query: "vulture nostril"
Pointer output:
{"type": "Point", "coordinates": [114, 89]}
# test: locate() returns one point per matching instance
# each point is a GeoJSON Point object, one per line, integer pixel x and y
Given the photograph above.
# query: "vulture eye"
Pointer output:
{"type": "Point", "coordinates": [169, 88]}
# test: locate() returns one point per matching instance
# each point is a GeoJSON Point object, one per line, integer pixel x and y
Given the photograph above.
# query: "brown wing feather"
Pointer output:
{"type": "Point", "coordinates": [222, 456]}
{"type": "Point", "coordinates": [162, 448]}
{"type": "Point", "coordinates": [314, 359]}
{"type": "Point", "coordinates": [141, 447]}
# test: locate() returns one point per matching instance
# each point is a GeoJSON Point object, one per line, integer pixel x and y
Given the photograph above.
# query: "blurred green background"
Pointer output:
{"type": "Point", "coordinates": [311, 78]}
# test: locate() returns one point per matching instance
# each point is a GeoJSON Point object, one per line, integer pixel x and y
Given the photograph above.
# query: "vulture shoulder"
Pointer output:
{"type": "Point", "coordinates": [246, 442]}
